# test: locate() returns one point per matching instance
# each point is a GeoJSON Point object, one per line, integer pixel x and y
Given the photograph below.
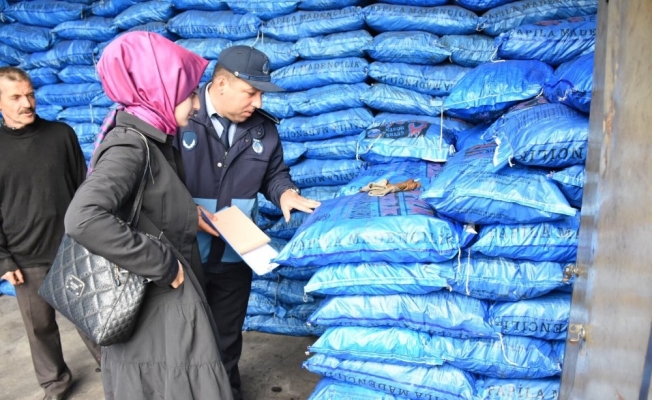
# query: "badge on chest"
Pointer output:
{"type": "Point", "coordinates": [189, 140]}
{"type": "Point", "coordinates": [257, 146]}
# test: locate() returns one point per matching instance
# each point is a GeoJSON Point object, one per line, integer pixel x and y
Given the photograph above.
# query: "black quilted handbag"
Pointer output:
{"type": "Point", "coordinates": [100, 298]}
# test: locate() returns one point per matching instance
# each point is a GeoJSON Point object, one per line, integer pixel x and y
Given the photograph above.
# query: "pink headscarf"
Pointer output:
{"type": "Point", "coordinates": [149, 76]}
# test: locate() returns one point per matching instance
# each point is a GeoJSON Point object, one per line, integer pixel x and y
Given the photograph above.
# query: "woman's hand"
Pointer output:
{"type": "Point", "coordinates": [179, 279]}
{"type": "Point", "coordinates": [202, 225]}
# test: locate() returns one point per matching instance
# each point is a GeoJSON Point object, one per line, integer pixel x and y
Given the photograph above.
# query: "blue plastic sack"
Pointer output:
{"type": "Point", "coordinates": [442, 313]}
{"type": "Point", "coordinates": [380, 278]}
{"type": "Point", "coordinates": [468, 50]}
{"type": "Point", "coordinates": [502, 279]}
{"type": "Point", "coordinates": [514, 389]}
{"type": "Point", "coordinates": [264, 222]}
{"type": "Point", "coordinates": [413, 47]}
{"type": "Point", "coordinates": [302, 274]}
{"type": "Point", "coordinates": [571, 183]}
{"type": "Point", "coordinates": [506, 357]}
{"type": "Point", "coordinates": [397, 137]}
{"type": "Point", "coordinates": [309, 173]}
{"type": "Point", "coordinates": [421, 3]}
{"type": "Point", "coordinates": [543, 241]}
{"type": "Point", "coordinates": [325, 126]}
{"type": "Point", "coordinates": [572, 83]}
{"type": "Point", "coordinates": [285, 230]}
{"type": "Point", "coordinates": [307, 74]}
{"type": "Point", "coordinates": [540, 134]}
{"type": "Point", "coordinates": [259, 304]}
{"type": "Point", "coordinates": [280, 54]}
{"type": "Point", "coordinates": [43, 76]}
{"type": "Point", "coordinates": [7, 288]}
{"type": "Point", "coordinates": [209, 48]}
{"type": "Point", "coordinates": [469, 190]}
{"type": "Point", "coordinates": [68, 94]}
{"type": "Point", "coordinates": [407, 382]}
{"type": "Point", "coordinates": [48, 112]}
{"type": "Point", "coordinates": [383, 345]}
{"type": "Point", "coordinates": [263, 9]}
{"type": "Point", "coordinates": [214, 24]}
{"type": "Point", "coordinates": [155, 27]}
{"type": "Point", "coordinates": [328, 98]}
{"type": "Point", "coordinates": [101, 100]}
{"type": "Point", "coordinates": [98, 29]}
{"type": "Point", "coordinates": [553, 42]}
{"type": "Point", "coordinates": [544, 317]}
{"type": "Point", "coordinates": [10, 55]}
{"type": "Point", "coordinates": [279, 104]}
{"type": "Point", "coordinates": [400, 171]}
{"type": "Point", "coordinates": [142, 13]}
{"type": "Point", "coordinates": [303, 24]}
{"type": "Point", "coordinates": [426, 79]}
{"type": "Point", "coordinates": [26, 38]}
{"type": "Point", "coordinates": [208, 72]}
{"type": "Point", "coordinates": [471, 137]}
{"type": "Point", "coordinates": [485, 92]}
{"type": "Point", "coordinates": [62, 54]}
{"type": "Point", "coordinates": [46, 13]}
{"type": "Point", "coordinates": [280, 326]}
{"type": "Point", "coordinates": [392, 99]}
{"type": "Point", "coordinates": [204, 5]}
{"type": "Point", "coordinates": [481, 5]}
{"type": "Point", "coordinates": [111, 8]}
{"type": "Point", "coordinates": [397, 227]}
{"type": "Point", "coordinates": [335, 45]}
{"type": "Point", "coordinates": [329, 389]}
{"type": "Point", "coordinates": [86, 131]}
{"type": "Point", "coordinates": [442, 20]}
{"type": "Point", "coordinates": [303, 311]}
{"type": "Point", "coordinates": [322, 5]}
{"type": "Point", "coordinates": [509, 16]}
{"type": "Point", "coordinates": [287, 291]}
{"type": "Point", "coordinates": [79, 74]}
{"type": "Point", "coordinates": [340, 148]}
{"type": "Point", "coordinates": [292, 151]}
{"type": "Point", "coordinates": [94, 115]}
{"type": "Point", "coordinates": [267, 207]}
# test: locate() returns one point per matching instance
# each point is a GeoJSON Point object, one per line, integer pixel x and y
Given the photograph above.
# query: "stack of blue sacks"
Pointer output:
{"type": "Point", "coordinates": [457, 290]}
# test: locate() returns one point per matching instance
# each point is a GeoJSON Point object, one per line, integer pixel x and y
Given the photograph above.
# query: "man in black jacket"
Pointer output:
{"type": "Point", "coordinates": [41, 166]}
{"type": "Point", "coordinates": [231, 150]}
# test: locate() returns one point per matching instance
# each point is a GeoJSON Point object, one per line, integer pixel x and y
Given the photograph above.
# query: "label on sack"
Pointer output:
{"type": "Point", "coordinates": [75, 285]}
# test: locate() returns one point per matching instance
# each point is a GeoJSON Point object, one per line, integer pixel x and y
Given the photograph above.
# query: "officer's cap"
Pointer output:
{"type": "Point", "coordinates": [250, 65]}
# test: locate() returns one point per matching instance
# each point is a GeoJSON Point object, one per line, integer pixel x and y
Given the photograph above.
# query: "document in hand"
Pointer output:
{"type": "Point", "coordinates": [246, 239]}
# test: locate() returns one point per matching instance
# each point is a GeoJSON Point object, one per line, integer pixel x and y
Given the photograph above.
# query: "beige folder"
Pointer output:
{"type": "Point", "coordinates": [239, 231]}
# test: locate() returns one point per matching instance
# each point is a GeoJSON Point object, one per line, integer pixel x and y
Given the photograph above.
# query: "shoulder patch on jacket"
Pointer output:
{"type": "Point", "coordinates": [268, 115]}
{"type": "Point", "coordinates": [189, 140]}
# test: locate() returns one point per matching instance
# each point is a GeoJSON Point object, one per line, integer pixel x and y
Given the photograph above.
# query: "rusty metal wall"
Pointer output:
{"type": "Point", "coordinates": [613, 291]}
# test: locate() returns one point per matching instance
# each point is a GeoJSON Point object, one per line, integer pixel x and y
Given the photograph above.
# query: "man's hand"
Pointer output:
{"type": "Point", "coordinates": [14, 277]}
{"type": "Point", "coordinates": [202, 225]}
{"type": "Point", "coordinates": [291, 200]}
{"type": "Point", "coordinates": [180, 277]}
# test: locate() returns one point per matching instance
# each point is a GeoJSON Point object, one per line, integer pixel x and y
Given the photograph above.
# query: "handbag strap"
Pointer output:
{"type": "Point", "coordinates": [134, 215]}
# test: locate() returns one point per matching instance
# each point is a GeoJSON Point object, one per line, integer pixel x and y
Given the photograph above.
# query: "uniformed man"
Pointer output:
{"type": "Point", "coordinates": [231, 150]}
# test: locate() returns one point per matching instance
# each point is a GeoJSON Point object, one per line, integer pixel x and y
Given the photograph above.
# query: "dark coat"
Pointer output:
{"type": "Point", "coordinates": [253, 164]}
{"type": "Point", "coordinates": [173, 353]}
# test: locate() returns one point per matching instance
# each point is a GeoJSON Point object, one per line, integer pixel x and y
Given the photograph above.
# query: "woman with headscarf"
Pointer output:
{"type": "Point", "coordinates": [173, 353]}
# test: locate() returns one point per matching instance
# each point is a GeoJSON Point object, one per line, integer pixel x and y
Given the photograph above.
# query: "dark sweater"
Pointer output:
{"type": "Point", "coordinates": [41, 167]}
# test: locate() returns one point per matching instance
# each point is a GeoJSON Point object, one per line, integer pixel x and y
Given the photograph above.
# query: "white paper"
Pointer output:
{"type": "Point", "coordinates": [259, 259]}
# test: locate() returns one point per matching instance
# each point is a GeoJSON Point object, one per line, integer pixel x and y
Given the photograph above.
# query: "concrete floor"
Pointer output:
{"type": "Point", "coordinates": [269, 363]}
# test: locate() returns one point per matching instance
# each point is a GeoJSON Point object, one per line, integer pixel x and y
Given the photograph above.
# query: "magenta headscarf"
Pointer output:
{"type": "Point", "coordinates": [148, 76]}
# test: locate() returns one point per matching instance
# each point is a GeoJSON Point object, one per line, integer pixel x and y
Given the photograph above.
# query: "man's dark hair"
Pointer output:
{"type": "Point", "coordinates": [14, 74]}
{"type": "Point", "coordinates": [220, 70]}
